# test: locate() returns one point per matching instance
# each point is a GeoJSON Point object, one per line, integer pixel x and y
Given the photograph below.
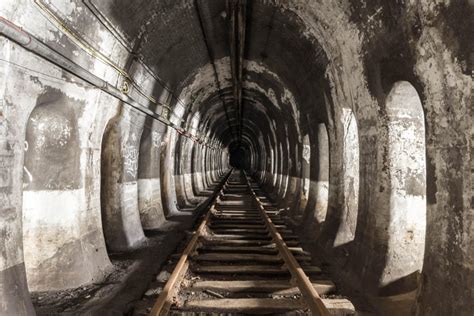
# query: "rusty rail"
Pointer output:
{"type": "Point", "coordinates": [310, 294]}
{"type": "Point", "coordinates": [165, 300]}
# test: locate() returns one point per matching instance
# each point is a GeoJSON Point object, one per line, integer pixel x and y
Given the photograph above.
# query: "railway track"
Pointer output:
{"type": "Point", "coordinates": [244, 260]}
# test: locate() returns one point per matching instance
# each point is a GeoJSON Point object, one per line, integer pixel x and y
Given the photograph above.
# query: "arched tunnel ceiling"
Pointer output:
{"type": "Point", "coordinates": [283, 67]}
{"type": "Point", "coordinates": [325, 129]}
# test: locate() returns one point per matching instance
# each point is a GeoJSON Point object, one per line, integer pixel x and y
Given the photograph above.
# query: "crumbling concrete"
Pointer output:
{"type": "Point", "coordinates": [149, 183]}
{"type": "Point", "coordinates": [62, 231]}
{"type": "Point", "coordinates": [382, 197]}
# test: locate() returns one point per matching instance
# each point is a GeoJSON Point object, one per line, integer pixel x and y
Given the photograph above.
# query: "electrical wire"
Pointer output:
{"type": "Point", "coordinates": [84, 45]}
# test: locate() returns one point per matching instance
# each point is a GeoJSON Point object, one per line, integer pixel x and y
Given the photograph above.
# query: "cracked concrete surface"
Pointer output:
{"type": "Point", "coordinates": [387, 198]}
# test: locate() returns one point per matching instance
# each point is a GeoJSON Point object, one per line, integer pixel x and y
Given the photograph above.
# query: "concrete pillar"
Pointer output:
{"type": "Point", "coordinates": [193, 167]}
{"type": "Point", "coordinates": [168, 187]}
{"type": "Point", "coordinates": [280, 178]}
{"type": "Point", "coordinates": [205, 168]}
{"type": "Point", "coordinates": [350, 179]}
{"type": "Point", "coordinates": [305, 179]}
{"type": "Point", "coordinates": [120, 148]}
{"type": "Point", "coordinates": [63, 240]}
{"type": "Point", "coordinates": [322, 183]}
{"type": "Point", "coordinates": [317, 206]}
{"type": "Point", "coordinates": [180, 162]}
{"type": "Point", "coordinates": [401, 211]}
{"type": "Point", "coordinates": [14, 296]}
{"type": "Point", "coordinates": [149, 183]}
{"type": "Point", "coordinates": [293, 191]}
{"type": "Point", "coordinates": [448, 278]}
{"type": "Point", "coordinates": [184, 185]}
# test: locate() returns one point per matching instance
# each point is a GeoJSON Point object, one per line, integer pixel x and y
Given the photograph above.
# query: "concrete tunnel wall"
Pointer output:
{"type": "Point", "coordinates": [83, 173]}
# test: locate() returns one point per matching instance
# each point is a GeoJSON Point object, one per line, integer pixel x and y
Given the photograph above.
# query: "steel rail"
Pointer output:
{"type": "Point", "coordinates": [310, 294]}
{"type": "Point", "coordinates": [165, 300]}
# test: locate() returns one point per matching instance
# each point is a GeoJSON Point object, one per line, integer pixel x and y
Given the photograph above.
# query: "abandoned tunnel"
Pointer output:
{"type": "Point", "coordinates": [120, 121]}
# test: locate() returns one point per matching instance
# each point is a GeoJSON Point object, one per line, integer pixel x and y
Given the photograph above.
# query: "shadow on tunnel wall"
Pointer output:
{"type": "Point", "coordinates": [149, 183]}
{"type": "Point", "coordinates": [119, 202]}
{"type": "Point", "coordinates": [62, 235]}
{"type": "Point", "coordinates": [398, 232]}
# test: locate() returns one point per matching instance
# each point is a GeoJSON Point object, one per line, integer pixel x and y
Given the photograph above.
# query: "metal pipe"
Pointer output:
{"type": "Point", "coordinates": [88, 48]}
{"type": "Point", "coordinates": [23, 38]}
{"type": "Point", "coordinates": [29, 42]}
{"type": "Point", "coordinates": [105, 21]}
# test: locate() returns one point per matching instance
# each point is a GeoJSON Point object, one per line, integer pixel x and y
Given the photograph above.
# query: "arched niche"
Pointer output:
{"type": "Point", "coordinates": [119, 188]}
{"type": "Point", "coordinates": [182, 174]}
{"type": "Point", "coordinates": [305, 173]}
{"type": "Point", "coordinates": [404, 200]}
{"type": "Point", "coordinates": [149, 184]}
{"type": "Point", "coordinates": [62, 233]}
{"type": "Point", "coordinates": [278, 182]}
{"type": "Point", "coordinates": [167, 171]}
{"type": "Point", "coordinates": [322, 182]}
{"type": "Point", "coordinates": [186, 191]}
{"type": "Point", "coordinates": [318, 196]}
{"type": "Point", "coordinates": [288, 183]}
{"type": "Point", "coordinates": [350, 179]}
{"type": "Point", "coordinates": [272, 173]}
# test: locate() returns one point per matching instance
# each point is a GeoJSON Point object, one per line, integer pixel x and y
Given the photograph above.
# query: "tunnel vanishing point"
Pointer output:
{"type": "Point", "coordinates": [119, 120]}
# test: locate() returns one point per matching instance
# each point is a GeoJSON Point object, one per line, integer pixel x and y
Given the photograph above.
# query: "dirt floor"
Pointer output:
{"type": "Point", "coordinates": [139, 277]}
{"type": "Point", "coordinates": [125, 285]}
{"type": "Point", "coordinates": [356, 296]}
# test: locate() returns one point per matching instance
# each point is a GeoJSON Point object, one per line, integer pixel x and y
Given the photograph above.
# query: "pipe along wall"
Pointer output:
{"type": "Point", "coordinates": [116, 117]}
